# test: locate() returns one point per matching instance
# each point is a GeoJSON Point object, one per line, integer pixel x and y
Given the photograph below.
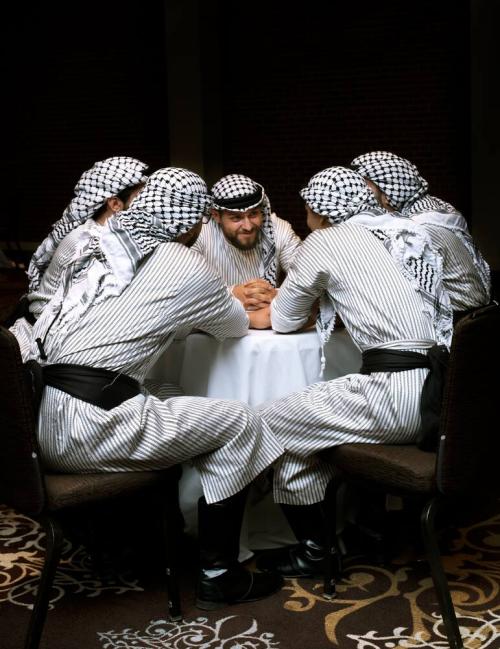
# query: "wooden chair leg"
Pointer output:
{"type": "Point", "coordinates": [173, 524]}
{"type": "Point", "coordinates": [54, 539]}
{"type": "Point", "coordinates": [438, 576]}
{"type": "Point", "coordinates": [333, 566]}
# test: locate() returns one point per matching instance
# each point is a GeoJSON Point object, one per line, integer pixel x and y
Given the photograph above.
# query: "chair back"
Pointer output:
{"type": "Point", "coordinates": [468, 454]}
{"type": "Point", "coordinates": [21, 482]}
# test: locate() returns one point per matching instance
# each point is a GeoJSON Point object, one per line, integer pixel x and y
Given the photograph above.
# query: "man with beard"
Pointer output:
{"type": "Point", "coordinates": [246, 243]}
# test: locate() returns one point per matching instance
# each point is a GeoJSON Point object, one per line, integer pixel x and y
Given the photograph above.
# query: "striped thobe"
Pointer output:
{"type": "Point", "coordinates": [65, 253]}
{"type": "Point", "coordinates": [460, 277]}
{"type": "Point", "coordinates": [237, 266]}
{"type": "Point", "coordinates": [173, 289]}
{"type": "Point", "coordinates": [380, 308]}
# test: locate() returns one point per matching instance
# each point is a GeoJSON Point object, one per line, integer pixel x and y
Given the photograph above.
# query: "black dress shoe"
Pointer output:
{"type": "Point", "coordinates": [294, 561]}
{"type": "Point", "coordinates": [234, 586]}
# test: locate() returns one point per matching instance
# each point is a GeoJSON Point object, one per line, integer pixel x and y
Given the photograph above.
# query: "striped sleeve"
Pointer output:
{"type": "Point", "coordinates": [304, 283]}
{"type": "Point", "coordinates": [205, 303]}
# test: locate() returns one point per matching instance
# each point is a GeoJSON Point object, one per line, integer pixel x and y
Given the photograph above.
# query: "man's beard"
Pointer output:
{"type": "Point", "coordinates": [234, 241]}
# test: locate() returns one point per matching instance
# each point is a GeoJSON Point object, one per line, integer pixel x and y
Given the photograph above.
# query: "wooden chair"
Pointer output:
{"type": "Point", "coordinates": [465, 463]}
{"type": "Point", "coordinates": [28, 488]}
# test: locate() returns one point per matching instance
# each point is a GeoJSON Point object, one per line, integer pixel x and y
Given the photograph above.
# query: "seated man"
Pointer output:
{"type": "Point", "coordinates": [104, 189]}
{"type": "Point", "coordinates": [399, 186]}
{"type": "Point", "coordinates": [246, 243]}
{"type": "Point", "coordinates": [379, 273]}
{"type": "Point", "coordinates": [96, 342]}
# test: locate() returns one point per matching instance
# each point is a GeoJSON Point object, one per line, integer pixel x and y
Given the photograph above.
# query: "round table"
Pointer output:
{"type": "Point", "coordinates": [259, 367]}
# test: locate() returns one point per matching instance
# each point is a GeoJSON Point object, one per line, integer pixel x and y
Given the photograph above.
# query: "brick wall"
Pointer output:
{"type": "Point", "coordinates": [308, 87]}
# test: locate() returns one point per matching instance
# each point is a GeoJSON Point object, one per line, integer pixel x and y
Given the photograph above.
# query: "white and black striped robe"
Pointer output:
{"type": "Point", "coordinates": [237, 266]}
{"type": "Point", "coordinates": [173, 289]}
{"type": "Point", "coordinates": [65, 253]}
{"type": "Point", "coordinates": [460, 276]}
{"type": "Point", "coordinates": [379, 307]}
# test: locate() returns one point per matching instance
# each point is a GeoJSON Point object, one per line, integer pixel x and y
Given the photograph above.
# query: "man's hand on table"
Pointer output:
{"type": "Point", "coordinates": [255, 294]}
{"type": "Point", "coordinates": [260, 318]}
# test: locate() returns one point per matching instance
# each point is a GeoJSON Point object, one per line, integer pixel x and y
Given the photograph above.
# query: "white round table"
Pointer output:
{"type": "Point", "coordinates": [259, 367]}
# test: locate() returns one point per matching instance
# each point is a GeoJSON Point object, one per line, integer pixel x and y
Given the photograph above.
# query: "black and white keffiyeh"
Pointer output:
{"type": "Point", "coordinates": [171, 203]}
{"type": "Point", "coordinates": [337, 193]}
{"type": "Point", "coordinates": [105, 179]}
{"type": "Point", "coordinates": [411, 249]}
{"type": "Point", "coordinates": [397, 177]}
{"type": "Point", "coordinates": [406, 190]}
{"type": "Point", "coordinates": [342, 194]}
{"type": "Point", "coordinates": [427, 203]}
{"type": "Point", "coordinates": [238, 193]}
{"type": "Point", "coordinates": [430, 210]}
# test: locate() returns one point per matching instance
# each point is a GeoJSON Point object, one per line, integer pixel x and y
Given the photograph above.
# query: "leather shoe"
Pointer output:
{"type": "Point", "coordinates": [234, 586]}
{"type": "Point", "coordinates": [293, 561]}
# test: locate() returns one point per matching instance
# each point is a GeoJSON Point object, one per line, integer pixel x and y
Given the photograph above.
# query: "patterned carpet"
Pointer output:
{"type": "Point", "coordinates": [378, 607]}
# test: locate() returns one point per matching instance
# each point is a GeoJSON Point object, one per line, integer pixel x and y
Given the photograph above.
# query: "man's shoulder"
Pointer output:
{"type": "Point", "coordinates": [334, 232]}
{"type": "Point", "coordinates": [284, 232]}
{"type": "Point", "coordinates": [279, 223]}
{"type": "Point", "coordinates": [181, 260]}
{"type": "Point", "coordinates": [69, 244]}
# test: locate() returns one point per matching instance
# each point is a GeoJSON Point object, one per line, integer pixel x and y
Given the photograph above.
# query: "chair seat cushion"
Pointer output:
{"type": "Point", "coordinates": [71, 490]}
{"type": "Point", "coordinates": [396, 468]}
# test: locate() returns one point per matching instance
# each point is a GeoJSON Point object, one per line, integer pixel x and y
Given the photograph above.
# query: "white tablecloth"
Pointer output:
{"type": "Point", "coordinates": [259, 367]}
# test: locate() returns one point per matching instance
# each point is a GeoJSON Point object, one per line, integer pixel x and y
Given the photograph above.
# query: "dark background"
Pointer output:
{"type": "Point", "coordinates": [285, 91]}
{"type": "Point", "coordinates": [324, 82]}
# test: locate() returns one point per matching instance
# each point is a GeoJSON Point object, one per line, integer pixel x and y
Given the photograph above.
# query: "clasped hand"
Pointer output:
{"type": "Point", "coordinates": [254, 294]}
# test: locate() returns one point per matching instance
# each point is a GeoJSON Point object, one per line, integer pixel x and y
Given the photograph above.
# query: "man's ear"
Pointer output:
{"type": "Point", "coordinates": [115, 204]}
{"type": "Point", "coordinates": [384, 201]}
{"type": "Point", "coordinates": [215, 215]}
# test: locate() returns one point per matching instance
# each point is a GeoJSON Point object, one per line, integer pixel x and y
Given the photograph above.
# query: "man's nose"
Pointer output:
{"type": "Point", "coordinates": [247, 224]}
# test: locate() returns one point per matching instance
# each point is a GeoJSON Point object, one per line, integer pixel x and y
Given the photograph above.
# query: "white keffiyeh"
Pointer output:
{"type": "Point", "coordinates": [171, 203]}
{"type": "Point", "coordinates": [411, 249]}
{"type": "Point", "coordinates": [455, 222]}
{"type": "Point", "coordinates": [340, 194]}
{"type": "Point", "coordinates": [406, 190]}
{"type": "Point", "coordinates": [105, 179]}
{"type": "Point", "coordinates": [238, 193]}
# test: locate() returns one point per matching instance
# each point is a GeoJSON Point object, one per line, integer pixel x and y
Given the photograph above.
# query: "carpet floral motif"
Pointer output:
{"type": "Point", "coordinates": [21, 563]}
{"type": "Point", "coordinates": [472, 568]}
{"type": "Point", "coordinates": [233, 632]}
{"type": "Point", "coordinates": [473, 571]}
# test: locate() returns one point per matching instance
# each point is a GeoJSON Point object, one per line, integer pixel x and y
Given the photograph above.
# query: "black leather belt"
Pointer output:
{"type": "Point", "coordinates": [102, 388]}
{"type": "Point", "coordinates": [398, 360]}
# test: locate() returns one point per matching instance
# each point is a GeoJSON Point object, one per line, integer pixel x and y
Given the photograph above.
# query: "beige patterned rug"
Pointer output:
{"type": "Point", "coordinates": [377, 607]}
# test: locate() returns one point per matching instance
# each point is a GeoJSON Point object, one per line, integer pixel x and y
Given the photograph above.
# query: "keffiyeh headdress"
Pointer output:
{"type": "Point", "coordinates": [406, 190]}
{"type": "Point", "coordinates": [171, 203]}
{"type": "Point", "coordinates": [337, 193]}
{"type": "Point", "coordinates": [340, 194]}
{"type": "Point", "coordinates": [105, 179]}
{"type": "Point", "coordinates": [397, 178]}
{"type": "Point", "coordinates": [239, 193]}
